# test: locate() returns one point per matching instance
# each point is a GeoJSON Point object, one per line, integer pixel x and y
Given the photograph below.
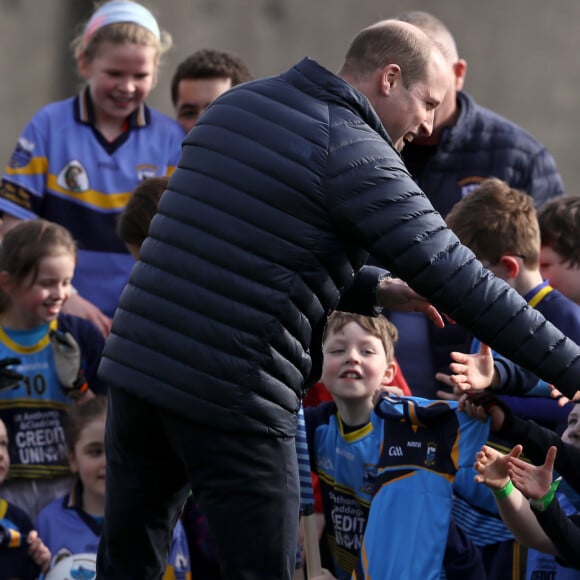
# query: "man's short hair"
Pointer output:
{"type": "Point", "coordinates": [389, 42]}
{"type": "Point", "coordinates": [210, 64]}
{"type": "Point", "coordinates": [494, 220]}
{"type": "Point", "coordinates": [560, 227]}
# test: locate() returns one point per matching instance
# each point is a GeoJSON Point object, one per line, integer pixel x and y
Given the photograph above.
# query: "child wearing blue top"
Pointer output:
{"type": "Point", "coordinates": [78, 160]}
{"type": "Point", "coordinates": [54, 359]}
{"type": "Point", "coordinates": [350, 446]}
{"type": "Point", "coordinates": [500, 225]}
{"type": "Point", "coordinates": [72, 524]}
{"type": "Point", "coordinates": [23, 555]}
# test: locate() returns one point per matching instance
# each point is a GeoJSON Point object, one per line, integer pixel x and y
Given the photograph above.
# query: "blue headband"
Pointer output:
{"type": "Point", "coordinates": [121, 11]}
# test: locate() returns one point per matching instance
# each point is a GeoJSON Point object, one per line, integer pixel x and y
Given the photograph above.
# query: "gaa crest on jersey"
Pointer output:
{"type": "Point", "coordinates": [73, 177]}
{"type": "Point", "coordinates": [431, 455]}
{"type": "Point", "coordinates": [369, 482]}
{"type": "Point", "coordinates": [22, 153]}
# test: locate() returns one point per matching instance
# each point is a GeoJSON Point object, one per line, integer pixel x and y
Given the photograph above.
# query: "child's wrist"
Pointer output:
{"type": "Point", "coordinates": [541, 504]}
{"type": "Point", "coordinates": [504, 491]}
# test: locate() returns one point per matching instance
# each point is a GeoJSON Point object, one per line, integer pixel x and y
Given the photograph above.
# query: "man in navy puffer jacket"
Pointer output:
{"type": "Point", "coordinates": [283, 187]}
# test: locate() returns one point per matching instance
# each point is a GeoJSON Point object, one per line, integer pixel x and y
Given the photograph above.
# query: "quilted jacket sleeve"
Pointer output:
{"type": "Point", "coordinates": [380, 207]}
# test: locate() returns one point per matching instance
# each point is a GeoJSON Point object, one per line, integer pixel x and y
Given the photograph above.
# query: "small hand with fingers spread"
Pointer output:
{"type": "Point", "coordinates": [534, 481]}
{"type": "Point", "coordinates": [493, 467]}
{"type": "Point", "coordinates": [473, 371]}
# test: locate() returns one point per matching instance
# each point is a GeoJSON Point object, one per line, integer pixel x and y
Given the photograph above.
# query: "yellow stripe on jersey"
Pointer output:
{"type": "Point", "coordinates": [36, 166]}
{"type": "Point", "coordinates": [115, 201]}
{"type": "Point", "coordinates": [42, 343]}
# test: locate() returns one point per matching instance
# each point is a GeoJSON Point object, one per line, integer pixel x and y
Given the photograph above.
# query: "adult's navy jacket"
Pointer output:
{"type": "Point", "coordinates": [282, 188]}
{"type": "Point", "coordinates": [483, 144]}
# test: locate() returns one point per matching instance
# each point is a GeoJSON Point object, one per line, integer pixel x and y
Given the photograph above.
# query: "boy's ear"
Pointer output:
{"type": "Point", "coordinates": [389, 374]}
{"type": "Point", "coordinates": [511, 265]}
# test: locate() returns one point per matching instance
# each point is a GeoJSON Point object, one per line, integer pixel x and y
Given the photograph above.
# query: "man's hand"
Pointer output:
{"type": "Point", "coordinates": [79, 306]}
{"type": "Point", "coordinates": [9, 378]}
{"type": "Point", "coordinates": [394, 294]}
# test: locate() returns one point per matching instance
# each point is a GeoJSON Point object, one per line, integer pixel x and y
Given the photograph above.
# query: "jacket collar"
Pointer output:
{"type": "Point", "coordinates": [325, 85]}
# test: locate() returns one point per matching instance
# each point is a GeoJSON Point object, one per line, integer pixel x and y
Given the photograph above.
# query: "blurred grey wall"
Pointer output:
{"type": "Point", "coordinates": [522, 54]}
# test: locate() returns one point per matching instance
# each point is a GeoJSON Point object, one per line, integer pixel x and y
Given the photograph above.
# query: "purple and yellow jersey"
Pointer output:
{"type": "Point", "coordinates": [63, 170]}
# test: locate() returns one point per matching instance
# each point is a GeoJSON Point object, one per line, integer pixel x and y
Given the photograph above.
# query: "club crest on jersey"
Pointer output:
{"type": "Point", "coordinates": [22, 154]}
{"type": "Point", "coordinates": [468, 184]}
{"type": "Point", "coordinates": [430, 457]}
{"type": "Point", "coordinates": [146, 171]}
{"type": "Point", "coordinates": [369, 482]}
{"type": "Point", "coordinates": [73, 177]}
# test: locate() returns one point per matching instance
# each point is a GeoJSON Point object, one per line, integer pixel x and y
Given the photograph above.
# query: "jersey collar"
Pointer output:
{"type": "Point", "coordinates": [84, 111]}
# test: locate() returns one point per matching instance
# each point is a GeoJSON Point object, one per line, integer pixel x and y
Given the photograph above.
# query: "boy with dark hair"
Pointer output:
{"type": "Point", "coordinates": [559, 221]}
{"type": "Point", "coordinates": [201, 78]}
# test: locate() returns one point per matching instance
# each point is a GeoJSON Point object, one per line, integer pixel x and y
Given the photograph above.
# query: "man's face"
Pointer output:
{"type": "Point", "coordinates": [446, 111]}
{"type": "Point", "coordinates": [194, 96]}
{"type": "Point", "coordinates": [407, 112]}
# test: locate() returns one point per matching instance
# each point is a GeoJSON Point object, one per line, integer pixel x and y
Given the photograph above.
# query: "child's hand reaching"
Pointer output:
{"type": "Point", "coordinates": [493, 467]}
{"type": "Point", "coordinates": [472, 371]}
{"type": "Point", "coordinates": [563, 400]}
{"type": "Point", "coordinates": [37, 550]}
{"type": "Point", "coordinates": [532, 480]}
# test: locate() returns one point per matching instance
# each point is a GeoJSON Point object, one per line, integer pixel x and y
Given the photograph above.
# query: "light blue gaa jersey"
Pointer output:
{"type": "Point", "coordinates": [66, 529]}
{"type": "Point", "coordinates": [34, 412]}
{"type": "Point", "coordinates": [346, 466]}
{"type": "Point", "coordinates": [425, 444]}
{"type": "Point", "coordinates": [63, 170]}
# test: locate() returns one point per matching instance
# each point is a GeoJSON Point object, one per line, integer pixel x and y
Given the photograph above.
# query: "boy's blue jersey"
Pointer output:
{"type": "Point", "coordinates": [425, 445]}
{"type": "Point", "coordinates": [34, 412]}
{"type": "Point", "coordinates": [63, 170]}
{"type": "Point", "coordinates": [66, 529]}
{"type": "Point", "coordinates": [346, 466]}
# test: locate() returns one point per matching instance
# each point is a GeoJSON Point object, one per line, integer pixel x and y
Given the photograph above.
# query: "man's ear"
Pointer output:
{"type": "Point", "coordinates": [460, 71]}
{"type": "Point", "coordinates": [390, 76]}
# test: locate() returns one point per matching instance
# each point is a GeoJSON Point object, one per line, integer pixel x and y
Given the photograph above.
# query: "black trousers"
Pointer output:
{"type": "Point", "coordinates": [247, 486]}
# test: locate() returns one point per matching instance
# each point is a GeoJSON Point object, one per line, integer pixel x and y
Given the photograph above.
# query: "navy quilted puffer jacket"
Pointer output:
{"type": "Point", "coordinates": [282, 188]}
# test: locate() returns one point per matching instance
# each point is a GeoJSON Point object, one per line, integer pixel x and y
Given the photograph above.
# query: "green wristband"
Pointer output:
{"type": "Point", "coordinates": [541, 504]}
{"type": "Point", "coordinates": [504, 491]}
